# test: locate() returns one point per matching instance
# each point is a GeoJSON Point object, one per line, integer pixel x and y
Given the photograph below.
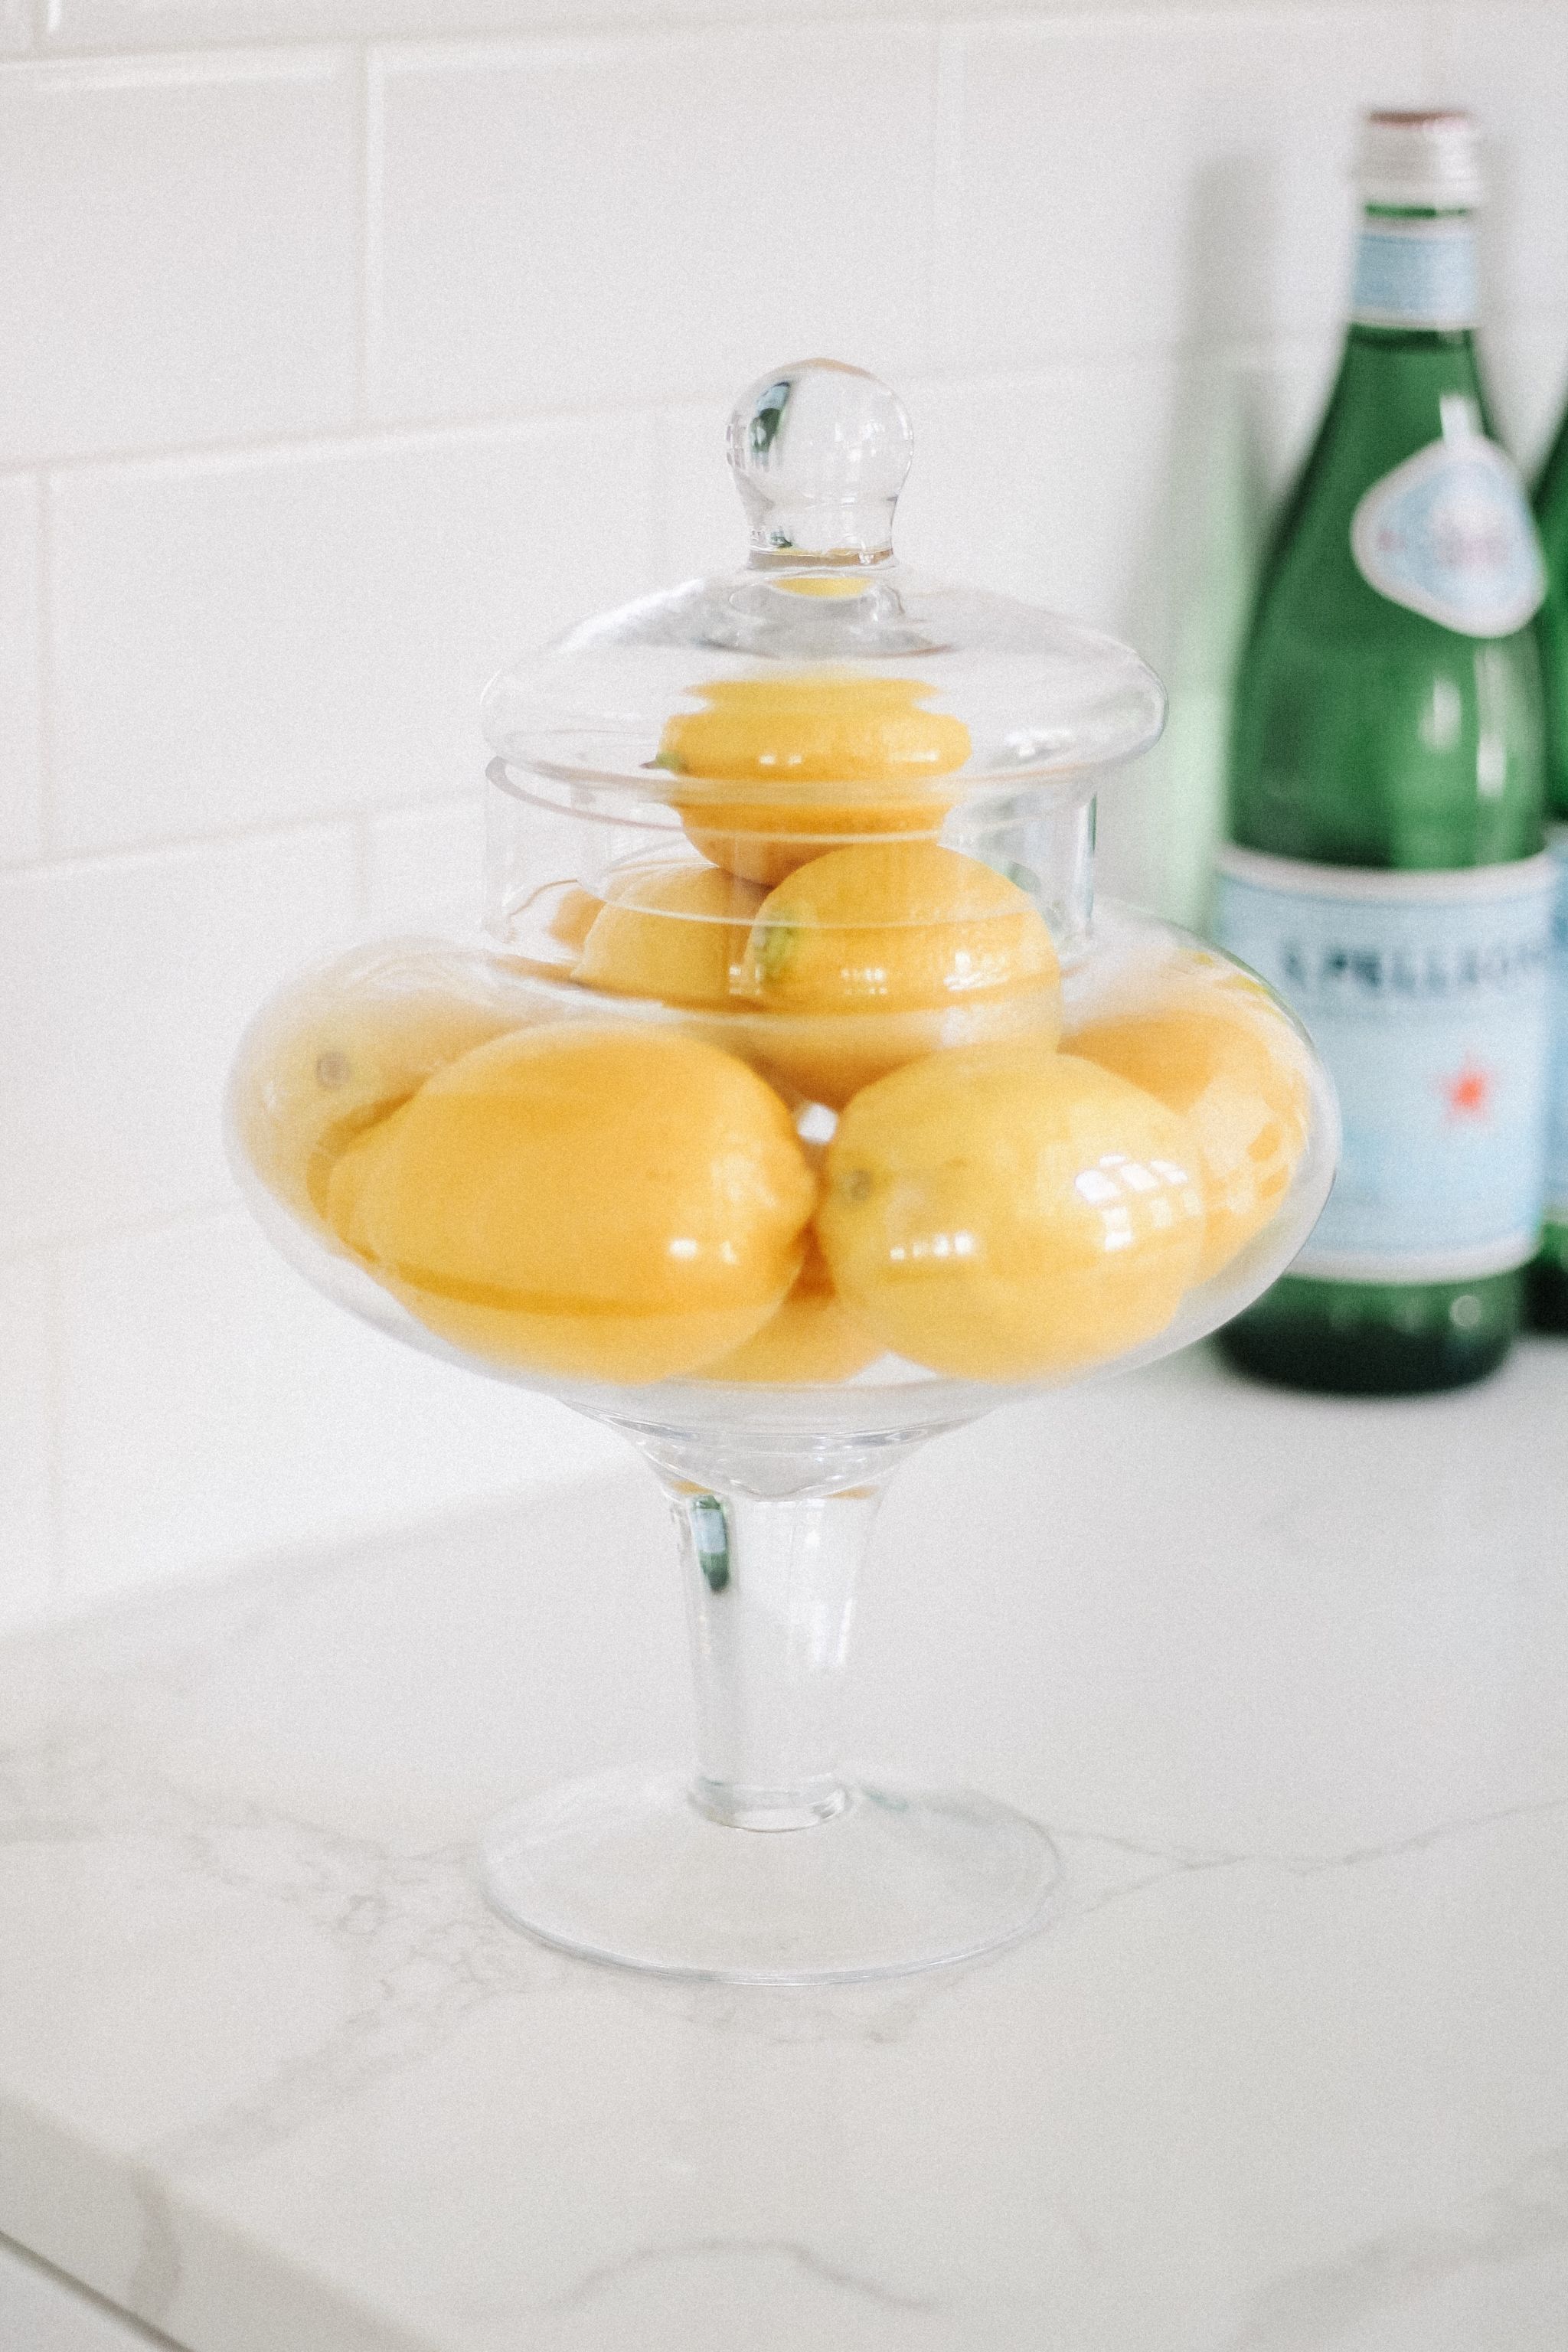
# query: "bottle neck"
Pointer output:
{"type": "Point", "coordinates": [1398, 389]}
{"type": "Point", "coordinates": [1416, 271]}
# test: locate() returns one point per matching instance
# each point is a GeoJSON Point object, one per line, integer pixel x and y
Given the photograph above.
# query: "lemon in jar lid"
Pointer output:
{"type": "Point", "coordinates": [798, 731]}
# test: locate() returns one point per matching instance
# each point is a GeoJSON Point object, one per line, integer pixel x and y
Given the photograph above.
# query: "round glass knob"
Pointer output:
{"type": "Point", "coordinates": [819, 453]}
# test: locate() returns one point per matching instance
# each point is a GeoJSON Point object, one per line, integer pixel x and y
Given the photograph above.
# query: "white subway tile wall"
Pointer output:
{"type": "Point", "coordinates": [28, 1436]}
{"type": "Point", "coordinates": [1051, 483]}
{"type": "Point", "coordinates": [1510, 59]}
{"type": "Point", "coordinates": [421, 865]}
{"type": "Point", "coordinates": [351, 345]}
{"type": "Point", "coordinates": [244, 641]}
{"type": "Point", "coordinates": [212, 1406]}
{"type": "Point", "coordinates": [1126, 183]}
{"type": "Point", "coordinates": [125, 983]}
{"type": "Point", "coordinates": [178, 242]}
{"type": "Point", "coordinates": [21, 682]}
{"type": "Point", "coordinates": [594, 222]}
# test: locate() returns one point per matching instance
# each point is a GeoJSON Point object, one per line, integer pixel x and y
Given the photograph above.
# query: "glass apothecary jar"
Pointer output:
{"type": "Point", "coordinates": [796, 1102]}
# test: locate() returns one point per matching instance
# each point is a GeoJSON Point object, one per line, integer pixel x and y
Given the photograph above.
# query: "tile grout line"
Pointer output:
{"type": "Point", "coordinates": [191, 60]}
{"type": "Point", "coordinates": [53, 1250]}
{"type": "Point", "coordinates": [54, 1380]}
{"type": "Point", "coordinates": [659, 540]}
{"type": "Point", "coordinates": [946, 177]}
{"type": "Point", "coordinates": [630, 24]}
{"type": "Point", "coordinates": [363, 853]}
{"type": "Point", "coordinates": [1438, 51]}
{"type": "Point", "coordinates": [382, 435]}
{"type": "Point", "coordinates": [660, 536]}
{"type": "Point", "coordinates": [121, 854]}
{"type": "Point", "coordinates": [368, 159]}
{"type": "Point", "coordinates": [375, 436]}
{"type": "Point", "coordinates": [45, 666]}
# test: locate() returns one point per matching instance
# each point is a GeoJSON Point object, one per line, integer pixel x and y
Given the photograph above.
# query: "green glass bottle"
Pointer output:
{"type": "Point", "coordinates": [1386, 870]}
{"type": "Point", "coordinates": [1549, 1276]}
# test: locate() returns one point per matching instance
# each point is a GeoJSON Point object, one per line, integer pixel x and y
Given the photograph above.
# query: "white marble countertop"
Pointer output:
{"type": "Point", "coordinates": [1290, 2071]}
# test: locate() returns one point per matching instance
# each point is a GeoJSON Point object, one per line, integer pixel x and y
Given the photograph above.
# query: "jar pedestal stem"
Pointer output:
{"type": "Point", "coordinates": [770, 1599]}
{"type": "Point", "coordinates": [767, 1865]}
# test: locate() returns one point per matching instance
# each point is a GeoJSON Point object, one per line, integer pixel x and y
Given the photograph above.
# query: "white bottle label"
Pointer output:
{"type": "Point", "coordinates": [1427, 996]}
{"type": "Point", "coordinates": [1416, 273]}
{"type": "Point", "coordinates": [1449, 534]}
{"type": "Point", "coordinates": [1557, 1146]}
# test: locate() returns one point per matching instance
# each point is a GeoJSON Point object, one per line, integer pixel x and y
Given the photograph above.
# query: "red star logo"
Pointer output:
{"type": "Point", "coordinates": [1468, 1092]}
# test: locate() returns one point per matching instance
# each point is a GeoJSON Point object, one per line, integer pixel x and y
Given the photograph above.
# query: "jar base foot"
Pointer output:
{"type": "Point", "coordinates": [624, 1868]}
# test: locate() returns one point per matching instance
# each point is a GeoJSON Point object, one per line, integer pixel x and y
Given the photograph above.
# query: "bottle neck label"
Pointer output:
{"type": "Point", "coordinates": [1416, 273]}
{"type": "Point", "coordinates": [1450, 532]}
{"type": "Point", "coordinates": [1427, 996]}
{"type": "Point", "coordinates": [1557, 1146]}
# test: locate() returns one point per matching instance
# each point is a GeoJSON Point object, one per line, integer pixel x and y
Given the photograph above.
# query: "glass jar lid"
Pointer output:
{"type": "Point", "coordinates": [821, 660]}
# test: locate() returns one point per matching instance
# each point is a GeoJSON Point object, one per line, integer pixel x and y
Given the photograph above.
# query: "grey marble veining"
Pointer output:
{"type": "Point", "coordinates": [1288, 2073]}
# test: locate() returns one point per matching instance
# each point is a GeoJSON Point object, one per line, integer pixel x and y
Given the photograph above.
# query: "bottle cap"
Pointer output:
{"type": "Point", "coordinates": [1421, 158]}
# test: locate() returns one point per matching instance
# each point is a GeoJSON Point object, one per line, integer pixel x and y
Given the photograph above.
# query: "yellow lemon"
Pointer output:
{"type": "Point", "coordinates": [612, 1202]}
{"type": "Point", "coordinates": [828, 1058]}
{"type": "Point", "coordinates": [824, 583]}
{"type": "Point", "coordinates": [574, 913]}
{"type": "Point", "coordinates": [903, 926]}
{"type": "Point", "coordinates": [348, 1173]}
{"type": "Point", "coordinates": [548, 929]}
{"type": "Point", "coordinates": [1004, 1213]}
{"type": "Point", "coordinates": [1239, 1082]}
{"type": "Point", "coordinates": [344, 1048]}
{"type": "Point", "coordinates": [749, 841]}
{"type": "Point", "coordinates": [812, 1336]}
{"type": "Point", "coordinates": [676, 933]}
{"type": "Point", "coordinates": [873, 956]}
{"type": "Point", "coordinates": [800, 730]}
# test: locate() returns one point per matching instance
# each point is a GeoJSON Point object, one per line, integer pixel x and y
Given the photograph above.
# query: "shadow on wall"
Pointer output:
{"type": "Point", "coordinates": [1524, 356]}
{"type": "Point", "coordinates": [1236, 430]}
